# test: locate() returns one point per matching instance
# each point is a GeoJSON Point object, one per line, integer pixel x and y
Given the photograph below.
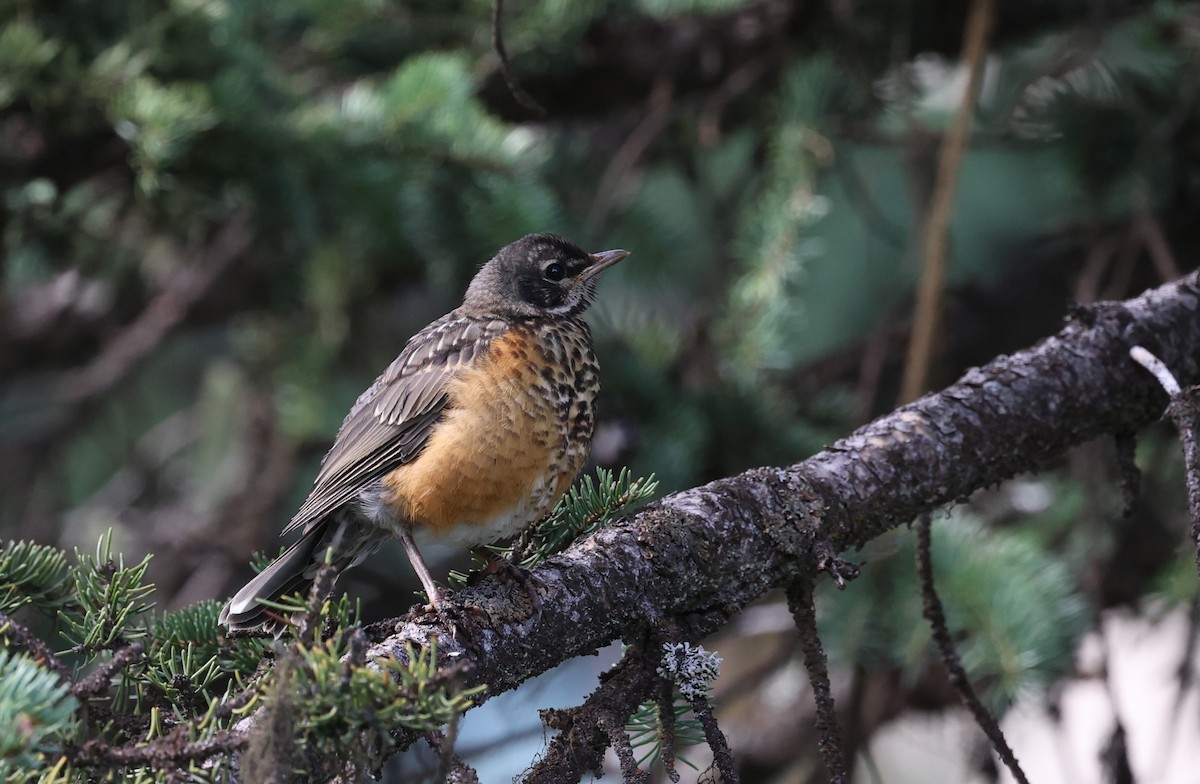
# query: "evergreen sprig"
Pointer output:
{"type": "Point", "coordinates": [110, 598]}
{"type": "Point", "coordinates": [587, 507]}
{"type": "Point", "coordinates": [37, 711]}
{"type": "Point", "coordinates": [645, 728]}
{"type": "Point", "coordinates": [34, 574]}
{"type": "Point", "coordinates": [343, 709]}
{"type": "Point", "coordinates": [194, 631]}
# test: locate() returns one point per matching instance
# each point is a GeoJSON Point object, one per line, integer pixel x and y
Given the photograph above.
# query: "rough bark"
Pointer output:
{"type": "Point", "coordinates": [699, 555]}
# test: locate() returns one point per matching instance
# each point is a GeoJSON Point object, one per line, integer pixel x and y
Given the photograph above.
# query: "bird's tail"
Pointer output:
{"type": "Point", "coordinates": [295, 570]}
{"type": "Point", "coordinates": [292, 571]}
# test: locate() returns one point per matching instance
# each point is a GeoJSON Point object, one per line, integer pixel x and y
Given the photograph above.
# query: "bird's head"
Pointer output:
{"type": "Point", "coordinates": [538, 275]}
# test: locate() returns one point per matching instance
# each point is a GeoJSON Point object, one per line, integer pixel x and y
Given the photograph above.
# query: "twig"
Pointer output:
{"type": "Point", "coordinates": [240, 700]}
{"type": "Point", "coordinates": [722, 757]}
{"type": "Point", "coordinates": [941, 207]}
{"type": "Point", "coordinates": [945, 644]}
{"type": "Point", "coordinates": [579, 747]}
{"type": "Point", "coordinates": [98, 754]}
{"type": "Point", "coordinates": [451, 767]}
{"type": "Point", "coordinates": [98, 680]}
{"type": "Point", "coordinates": [618, 738]}
{"type": "Point", "coordinates": [800, 602]}
{"type": "Point", "coordinates": [1128, 473]}
{"type": "Point", "coordinates": [39, 650]}
{"type": "Point", "coordinates": [81, 389]}
{"type": "Point", "coordinates": [666, 726]}
{"type": "Point", "coordinates": [510, 79]}
{"type": "Point", "coordinates": [741, 79]}
{"type": "Point", "coordinates": [164, 312]}
{"type": "Point", "coordinates": [322, 586]}
{"type": "Point", "coordinates": [1149, 229]}
{"type": "Point", "coordinates": [1114, 756]}
{"type": "Point", "coordinates": [1182, 410]}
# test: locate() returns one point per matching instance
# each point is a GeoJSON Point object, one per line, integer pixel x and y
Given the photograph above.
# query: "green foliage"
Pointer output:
{"type": "Point", "coordinates": [326, 704]}
{"type": "Point", "coordinates": [109, 596]}
{"type": "Point", "coordinates": [33, 574]}
{"type": "Point", "coordinates": [774, 242]}
{"type": "Point", "coordinates": [37, 713]}
{"type": "Point", "coordinates": [588, 506]}
{"type": "Point", "coordinates": [645, 728]}
{"type": "Point", "coordinates": [193, 632]}
{"type": "Point", "coordinates": [189, 661]}
{"type": "Point", "coordinates": [153, 677]}
{"type": "Point", "coordinates": [370, 702]}
{"type": "Point", "coordinates": [1016, 612]}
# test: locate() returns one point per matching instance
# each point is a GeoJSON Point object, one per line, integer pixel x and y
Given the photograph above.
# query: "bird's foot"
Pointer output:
{"type": "Point", "coordinates": [507, 570]}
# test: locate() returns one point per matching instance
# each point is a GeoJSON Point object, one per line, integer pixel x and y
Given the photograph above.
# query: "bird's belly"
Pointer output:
{"type": "Point", "coordinates": [495, 463]}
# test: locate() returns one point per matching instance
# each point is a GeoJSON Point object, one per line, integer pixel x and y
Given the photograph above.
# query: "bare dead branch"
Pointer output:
{"type": "Point", "coordinates": [172, 749]}
{"type": "Point", "coordinates": [614, 729]}
{"type": "Point", "coordinates": [666, 727]}
{"type": "Point", "coordinates": [582, 740]}
{"type": "Point", "coordinates": [17, 634]}
{"type": "Point", "coordinates": [945, 645]}
{"type": "Point", "coordinates": [800, 602]}
{"type": "Point", "coordinates": [1128, 474]}
{"type": "Point", "coordinates": [722, 756]}
{"type": "Point", "coordinates": [658, 113]}
{"type": "Point", "coordinates": [125, 352]}
{"type": "Point", "coordinates": [451, 768]}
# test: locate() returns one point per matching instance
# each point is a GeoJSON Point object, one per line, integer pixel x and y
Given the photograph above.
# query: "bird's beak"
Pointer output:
{"type": "Point", "coordinates": [603, 260]}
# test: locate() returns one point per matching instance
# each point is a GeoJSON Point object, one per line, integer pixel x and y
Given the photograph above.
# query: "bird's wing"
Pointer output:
{"type": "Point", "coordinates": [390, 422]}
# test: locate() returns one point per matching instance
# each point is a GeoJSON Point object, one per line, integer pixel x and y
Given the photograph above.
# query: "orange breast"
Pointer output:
{"type": "Point", "coordinates": [490, 460]}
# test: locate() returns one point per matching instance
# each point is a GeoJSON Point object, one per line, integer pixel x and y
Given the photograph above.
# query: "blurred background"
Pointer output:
{"type": "Point", "coordinates": [221, 220]}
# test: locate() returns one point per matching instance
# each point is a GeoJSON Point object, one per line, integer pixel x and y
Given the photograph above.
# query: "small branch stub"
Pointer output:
{"type": "Point", "coordinates": [1160, 371]}
{"type": "Point", "coordinates": [1182, 410]}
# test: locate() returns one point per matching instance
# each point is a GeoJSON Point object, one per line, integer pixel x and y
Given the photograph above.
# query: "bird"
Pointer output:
{"type": "Point", "coordinates": [474, 431]}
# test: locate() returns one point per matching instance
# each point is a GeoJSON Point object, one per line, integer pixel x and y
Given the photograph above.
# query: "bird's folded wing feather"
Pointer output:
{"type": "Point", "coordinates": [391, 421]}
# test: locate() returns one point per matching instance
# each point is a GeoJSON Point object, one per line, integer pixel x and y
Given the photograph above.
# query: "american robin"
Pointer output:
{"type": "Point", "coordinates": [474, 431]}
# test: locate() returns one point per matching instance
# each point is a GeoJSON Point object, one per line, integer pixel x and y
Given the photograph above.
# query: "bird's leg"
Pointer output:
{"type": "Point", "coordinates": [419, 566]}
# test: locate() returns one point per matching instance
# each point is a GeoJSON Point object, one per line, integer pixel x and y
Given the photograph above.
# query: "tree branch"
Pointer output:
{"type": "Point", "coordinates": [701, 554]}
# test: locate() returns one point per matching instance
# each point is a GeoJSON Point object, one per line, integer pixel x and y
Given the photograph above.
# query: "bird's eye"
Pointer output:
{"type": "Point", "coordinates": [554, 271]}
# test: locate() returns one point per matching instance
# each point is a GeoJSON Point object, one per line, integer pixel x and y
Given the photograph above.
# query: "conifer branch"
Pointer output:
{"type": "Point", "coordinates": [16, 634]}
{"type": "Point", "coordinates": [725, 544]}
{"type": "Point", "coordinates": [99, 680]}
